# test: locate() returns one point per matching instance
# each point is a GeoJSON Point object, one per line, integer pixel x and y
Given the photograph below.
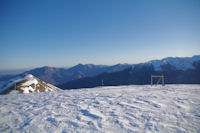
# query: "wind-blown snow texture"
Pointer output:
{"type": "Point", "coordinates": [173, 108]}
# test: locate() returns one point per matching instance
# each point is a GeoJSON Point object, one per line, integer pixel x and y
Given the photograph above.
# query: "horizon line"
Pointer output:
{"type": "Point", "coordinates": [66, 67]}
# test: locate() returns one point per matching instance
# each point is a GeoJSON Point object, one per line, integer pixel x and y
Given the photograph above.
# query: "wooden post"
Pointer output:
{"type": "Point", "coordinates": [161, 77]}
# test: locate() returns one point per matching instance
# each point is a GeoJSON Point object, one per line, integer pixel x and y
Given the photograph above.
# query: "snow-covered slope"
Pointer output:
{"type": "Point", "coordinates": [172, 108]}
{"type": "Point", "coordinates": [25, 84]}
{"type": "Point", "coordinates": [180, 63]}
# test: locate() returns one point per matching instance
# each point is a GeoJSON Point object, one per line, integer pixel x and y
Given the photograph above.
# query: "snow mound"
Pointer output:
{"type": "Point", "coordinates": [172, 108]}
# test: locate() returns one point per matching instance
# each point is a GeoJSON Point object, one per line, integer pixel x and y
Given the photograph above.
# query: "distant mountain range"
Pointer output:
{"type": "Point", "coordinates": [175, 69]}
{"type": "Point", "coordinates": [60, 75]}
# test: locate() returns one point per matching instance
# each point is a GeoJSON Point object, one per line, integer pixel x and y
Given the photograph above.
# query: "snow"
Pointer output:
{"type": "Point", "coordinates": [30, 80]}
{"type": "Point", "coordinates": [27, 89]}
{"type": "Point", "coordinates": [142, 108]}
{"type": "Point", "coordinates": [14, 92]}
{"type": "Point", "coordinates": [28, 77]}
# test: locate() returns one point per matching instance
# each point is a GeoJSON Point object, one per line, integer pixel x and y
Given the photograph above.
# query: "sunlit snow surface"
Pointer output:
{"type": "Point", "coordinates": [173, 108]}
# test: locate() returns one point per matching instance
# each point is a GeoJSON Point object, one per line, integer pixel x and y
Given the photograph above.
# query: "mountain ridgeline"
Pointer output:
{"type": "Point", "coordinates": [57, 76]}
{"type": "Point", "coordinates": [175, 70]}
{"type": "Point", "coordinates": [184, 70]}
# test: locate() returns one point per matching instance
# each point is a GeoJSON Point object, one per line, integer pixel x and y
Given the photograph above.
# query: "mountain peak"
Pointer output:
{"type": "Point", "coordinates": [80, 66]}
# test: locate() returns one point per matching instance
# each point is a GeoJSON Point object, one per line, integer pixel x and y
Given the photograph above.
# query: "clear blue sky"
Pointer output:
{"type": "Point", "coordinates": [60, 33]}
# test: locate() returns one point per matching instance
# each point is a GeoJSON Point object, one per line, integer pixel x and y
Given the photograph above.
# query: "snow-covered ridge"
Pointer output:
{"type": "Point", "coordinates": [25, 84]}
{"type": "Point", "coordinates": [180, 63]}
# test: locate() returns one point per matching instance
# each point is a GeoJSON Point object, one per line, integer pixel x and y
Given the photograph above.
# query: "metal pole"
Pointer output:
{"type": "Point", "coordinates": [163, 82]}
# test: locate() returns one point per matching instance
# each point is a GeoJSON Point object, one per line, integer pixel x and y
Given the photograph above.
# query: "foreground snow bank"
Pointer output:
{"type": "Point", "coordinates": [173, 108]}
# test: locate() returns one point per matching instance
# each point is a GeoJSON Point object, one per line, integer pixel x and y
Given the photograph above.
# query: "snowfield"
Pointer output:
{"type": "Point", "coordinates": [172, 108]}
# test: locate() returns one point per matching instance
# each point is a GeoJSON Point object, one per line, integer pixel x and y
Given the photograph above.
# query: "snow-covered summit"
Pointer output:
{"type": "Point", "coordinates": [25, 83]}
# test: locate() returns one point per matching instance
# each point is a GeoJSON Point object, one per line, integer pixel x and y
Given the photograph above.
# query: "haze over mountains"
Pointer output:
{"type": "Point", "coordinates": [175, 69]}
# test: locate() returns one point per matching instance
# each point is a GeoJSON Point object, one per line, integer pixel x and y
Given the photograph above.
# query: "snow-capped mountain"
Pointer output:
{"type": "Point", "coordinates": [179, 63]}
{"type": "Point", "coordinates": [25, 83]}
